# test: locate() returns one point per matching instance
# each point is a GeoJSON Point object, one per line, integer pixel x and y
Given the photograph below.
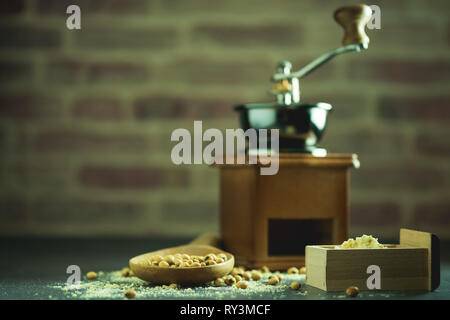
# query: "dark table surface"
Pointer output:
{"type": "Point", "coordinates": [32, 268]}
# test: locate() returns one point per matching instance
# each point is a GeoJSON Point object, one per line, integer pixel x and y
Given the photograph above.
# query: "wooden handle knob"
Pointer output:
{"type": "Point", "coordinates": [354, 19]}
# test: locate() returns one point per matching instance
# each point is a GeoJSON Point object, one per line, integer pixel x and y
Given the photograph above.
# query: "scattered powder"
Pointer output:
{"type": "Point", "coordinates": [111, 285]}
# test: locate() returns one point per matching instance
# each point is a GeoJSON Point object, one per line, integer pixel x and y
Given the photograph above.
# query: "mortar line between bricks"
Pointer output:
{"type": "Point", "coordinates": [373, 196]}
{"type": "Point", "coordinates": [275, 53]}
{"type": "Point", "coordinates": [161, 159]}
{"type": "Point", "coordinates": [153, 126]}
{"type": "Point", "coordinates": [68, 41]}
{"type": "Point", "coordinates": [392, 89]}
{"type": "Point", "coordinates": [408, 213]}
{"type": "Point", "coordinates": [38, 70]}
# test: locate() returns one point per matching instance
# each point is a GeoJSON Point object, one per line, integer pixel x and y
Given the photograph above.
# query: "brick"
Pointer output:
{"type": "Point", "coordinates": [404, 33]}
{"type": "Point", "coordinates": [248, 8]}
{"type": "Point", "coordinates": [180, 107]}
{"type": "Point", "coordinates": [203, 6]}
{"type": "Point", "coordinates": [66, 71]}
{"type": "Point", "coordinates": [38, 154]}
{"type": "Point", "coordinates": [385, 234]}
{"type": "Point", "coordinates": [117, 72]}
{"type": "Point", "coordinates": [69, 140]}
{"type": "Point", "coordinates": [365, 142]}
{"type": "Point", "coordinates": [118, 7]}
{"type": "Point", "coordinates": [12, 209]}
{"type": "Point", "coordinates": [324, 72]}
{"type": "Point", "coordinates": [401, 71]}
{"type": "Point", "coordinates": [435, 7]}
{"type": "Point", "coordinates": [345, 106]}
{"type": "Point", "coordinates": [130, 38]}
{"type": "Point", "coordinates": [22, 37]}
{"type": "Point", "coordinates": [190, 211]}
{"type": "Point", "coordinates": [12, 7]}
{"type": "Point", "coordinates": [15, 71]}
{"type": "Point", "coordinates": [130, 177]}
{"type": "Point", "coordinates": [448, 33]}
{"type": "Point", "coordinates": [431, 216]}
{"type": "Point", "coordinates": [99, 109]}
{"type": "Point", "coordinates": [243, 35]}
{"type": "Point", "coordinates": [74, 71]}
{"type": "Point", "coordinates": [420, 109]}
{"type": "Point", "coordinates": [405, 176]}
{"type": "Point", "coordinates": [67, 209]}
{"type": "Point", "coordinates": [29, 106]}
{"type": "Point", "coordinates": [48, 175]}
{"type": "Point", "coordinates": [433, 144]}
{"type": "Point", "coordinates": [68, 216]}
{"type": "Point", "coordinates": [375, 214]}
{"type": "Point", "coordinates": [2, 140]}
{"type": "Point", "coordinates": [217, 71]}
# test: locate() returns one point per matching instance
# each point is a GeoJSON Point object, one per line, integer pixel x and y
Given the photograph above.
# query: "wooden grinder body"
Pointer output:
{"type": "Point", "coordinates": [269, 219]}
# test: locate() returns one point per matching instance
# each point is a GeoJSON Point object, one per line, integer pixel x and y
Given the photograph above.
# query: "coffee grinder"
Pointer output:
{"type": "Point", "coordinates": [266, 220]}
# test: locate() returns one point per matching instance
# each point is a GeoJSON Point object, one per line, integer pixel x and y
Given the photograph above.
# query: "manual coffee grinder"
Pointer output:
{"type": "Point", "coordinates": [266, 220]}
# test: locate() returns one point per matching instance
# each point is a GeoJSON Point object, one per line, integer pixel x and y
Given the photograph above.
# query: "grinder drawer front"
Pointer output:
{"type": "Point", "coordinates": [288, 237]}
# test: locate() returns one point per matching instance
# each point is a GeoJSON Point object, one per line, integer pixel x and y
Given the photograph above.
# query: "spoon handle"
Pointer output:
{"type": "Point", "coordinates": [210, 239]}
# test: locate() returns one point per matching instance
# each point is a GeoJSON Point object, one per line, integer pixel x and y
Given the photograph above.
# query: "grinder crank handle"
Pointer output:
{"type": "Point", "coordinates": [354, 19]}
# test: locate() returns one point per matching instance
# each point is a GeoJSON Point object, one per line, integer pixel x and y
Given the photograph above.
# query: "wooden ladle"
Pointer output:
{"type": "Point", "coordinates": [201, 246]}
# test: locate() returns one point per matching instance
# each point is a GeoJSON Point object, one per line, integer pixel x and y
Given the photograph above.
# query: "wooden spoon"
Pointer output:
{"type": "Point", "coordinates": [200, 247]}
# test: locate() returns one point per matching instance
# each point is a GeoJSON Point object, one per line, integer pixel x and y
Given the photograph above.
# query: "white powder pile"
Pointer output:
{"type": "Point", "coordinates": [363, 242]}
{"type": "Point", "coordinates": [112, 285]}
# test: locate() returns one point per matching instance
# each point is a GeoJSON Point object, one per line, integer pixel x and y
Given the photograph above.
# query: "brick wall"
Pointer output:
{"type": "Point", "coordinates": [86, 116]}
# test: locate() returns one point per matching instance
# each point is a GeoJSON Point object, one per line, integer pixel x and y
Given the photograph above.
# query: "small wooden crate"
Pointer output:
{"type": "Point", "coordinates": [411, 265]}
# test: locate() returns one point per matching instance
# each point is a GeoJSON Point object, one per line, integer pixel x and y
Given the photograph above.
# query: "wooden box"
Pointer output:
{"type": "Point", "coordinates": [269, 219]}
{"type": "Point", "coordinates": [411, 265]}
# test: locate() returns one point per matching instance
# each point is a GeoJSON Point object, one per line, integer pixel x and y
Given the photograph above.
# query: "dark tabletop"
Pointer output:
{"type": "Point", "coordinates": [33, 268]}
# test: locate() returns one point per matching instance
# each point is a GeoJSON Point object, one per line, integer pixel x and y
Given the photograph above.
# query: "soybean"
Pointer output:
{"type": "Point", "coordinates": [229, 280]}
{"type": "Point", "coordinates": [130, 294]}
{"type": "Point", "coordinates": [256, 275]}
{"type": "Point", "coordinates": [222, 256]}
{"type": "Point", "coordinates": [219, 282]}
{"type": "Point", "coordinates": [273, 280]}
{"type": "Point", "coordinates": [163, 264]}
{"type": "Point", "coordinates": [352, 291]}
{"type": "Point", "coordinates": [126, 272]}
{"type": "Point", "coordinates": [91, 275]}
{"type": "Point", "coordinates": [237, 271]}
{"type": "Point", "coordinates": [180, 260]}
{"type": "Point", "coordinates": [265, 269]}
{"type": "Point", "coordinates": [247, 275]}
{"type": "Point", "coordinates": [292, 270]}
{"type": "Point", "coordinates": [242, 285]}
{"type": "Point", "coordinates": [295, 285]}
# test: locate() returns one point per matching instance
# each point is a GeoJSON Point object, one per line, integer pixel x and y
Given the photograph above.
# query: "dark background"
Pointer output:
{"type": "Point", "coordinates": [86, 115]}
